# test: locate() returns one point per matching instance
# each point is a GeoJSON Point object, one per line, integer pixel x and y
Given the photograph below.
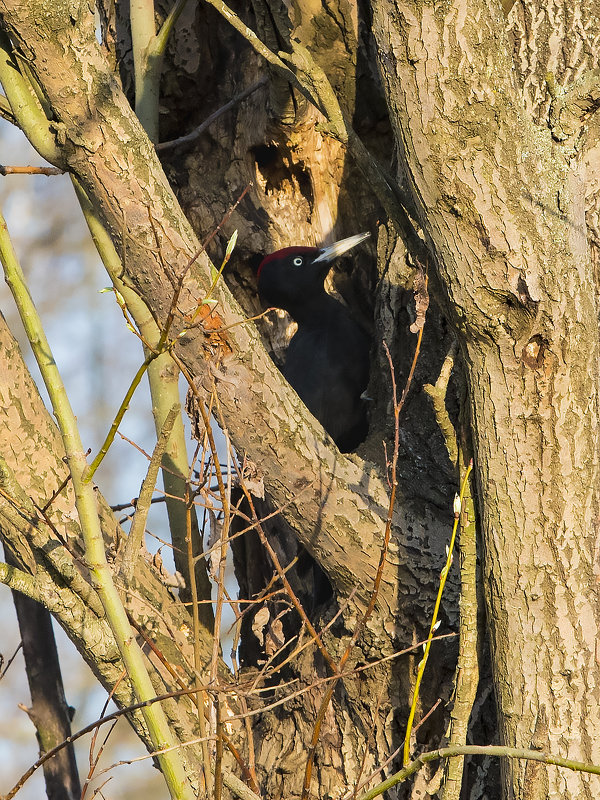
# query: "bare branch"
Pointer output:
{"type": "Point", "coordinates": [6, 170]}
{"type": "Point", "coordinates": [193, 135]}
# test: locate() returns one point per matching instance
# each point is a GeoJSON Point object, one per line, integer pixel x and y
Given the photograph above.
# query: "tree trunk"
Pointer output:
{"type": "Point", "coordinates": [502, 206]}
{"type": "Point", "coordinates": [49, 711]}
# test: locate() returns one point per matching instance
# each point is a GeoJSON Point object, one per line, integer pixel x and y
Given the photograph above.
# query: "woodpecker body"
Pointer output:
{"type": "Point", "coordinates": [327, 361]}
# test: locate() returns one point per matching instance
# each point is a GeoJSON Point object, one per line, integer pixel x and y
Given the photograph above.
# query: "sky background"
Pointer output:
{"type": "Point", "coordinates": [97, 357]}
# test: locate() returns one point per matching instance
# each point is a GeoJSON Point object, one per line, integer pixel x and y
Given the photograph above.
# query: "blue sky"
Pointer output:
{"type": "Point", "coordinates": [97, 357]}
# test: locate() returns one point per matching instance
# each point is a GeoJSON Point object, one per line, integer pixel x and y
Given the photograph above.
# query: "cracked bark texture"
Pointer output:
{"type": "Point", "coordinates": [503, 208]}
{"type": "Point", "coordinates": [335, 504]}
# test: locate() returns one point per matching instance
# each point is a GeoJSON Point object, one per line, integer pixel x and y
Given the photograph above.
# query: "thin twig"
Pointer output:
{"type": "Point", "coordinates": [412, 370]}
{"type": "Point", "coordinates": [433, 626]}
{"type": "Point", "coordinates": [135, 539]}
{"type": "Point", "coordinates": [199, 698]}
{"type": "Point", "coordinates": [6, 170]}
{"type": "Point", "coordinates": [242, 701]}
{"type": "Point", "coordinates": [10, 660]}
{"type": "Point", "coordinates": [371, 732]}
{"type": "Point", "coordinates": [288, 588]}
{"type": "Point", "coordinates": [94, 759]}
{"type": "Point", "coordinates": [193, 135]}
{"type": "Point", "coordinates": [218, 614]}
{"type": "Point", "coordinates": [477, 750]}
{"type": "Point", "coordinates": [55, 494]}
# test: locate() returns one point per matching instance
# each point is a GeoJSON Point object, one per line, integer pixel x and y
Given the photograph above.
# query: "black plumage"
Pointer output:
{"type": "Point", "coordinates": [327, 361]}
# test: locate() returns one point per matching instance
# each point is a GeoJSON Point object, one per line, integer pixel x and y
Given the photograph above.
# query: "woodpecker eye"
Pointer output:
{"type": "Point", "coordinates": [297, 261]}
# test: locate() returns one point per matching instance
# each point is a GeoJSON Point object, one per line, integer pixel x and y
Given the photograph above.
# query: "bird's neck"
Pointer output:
{"type": "Point", "coordinates": [317, 312]}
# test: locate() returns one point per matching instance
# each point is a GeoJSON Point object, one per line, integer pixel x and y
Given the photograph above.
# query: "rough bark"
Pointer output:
{"type": "Point", "coordinates": [502, 206]}
{"type": "Point", "coordinates": [336, 504]}
{"type": "Point", "coordinates": [49, 548]}
{"type": "Point", "coordinates": [503, 209]}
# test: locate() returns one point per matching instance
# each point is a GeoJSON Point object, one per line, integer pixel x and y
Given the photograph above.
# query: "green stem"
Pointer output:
{"type": "Point", "coordinates": [27, 111]}
{"type": "Point", "coordinates": [432, 627]}
{"type": "Point", "coordinates": [90, 471]}
{"type": "Point", "coordinates": [163, 377]}
{"type": "Point", "coordinates": [170, 761]}
{"type": "Point", "coordinates": [146, 69]}
{"type": "Point", "coordinates": [148, 54]}
{"type": "Point", "coordinates": [467, 665]}
{"type": "Point", "coordinates": [159, 44]}
{"type": "Point", "coordinates": [476, 750]}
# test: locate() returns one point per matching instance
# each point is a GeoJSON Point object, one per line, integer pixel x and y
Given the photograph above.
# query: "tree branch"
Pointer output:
{"type": "Point", "coordinates": [477, 750]}
{"type": "Point", "coordinates": [85, 500]}
{"type": "Point", "coordinates": [288, 446]}
{"type": "Point", "coordinates": [30, 440]}
{"type": "Point", "coordinates": [27, 111]}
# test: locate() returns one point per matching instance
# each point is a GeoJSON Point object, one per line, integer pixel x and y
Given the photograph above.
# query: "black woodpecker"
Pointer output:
{"type": "Point", "coordinates": [327, 361]}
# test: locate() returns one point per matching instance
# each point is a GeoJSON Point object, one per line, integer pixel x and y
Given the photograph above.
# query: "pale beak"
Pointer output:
{"type": "Point", "coordinates": [339, 248]}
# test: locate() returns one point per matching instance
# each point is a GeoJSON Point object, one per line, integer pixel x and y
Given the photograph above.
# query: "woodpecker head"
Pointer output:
{"type": "Point", "coordinates": [294, 276]}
